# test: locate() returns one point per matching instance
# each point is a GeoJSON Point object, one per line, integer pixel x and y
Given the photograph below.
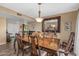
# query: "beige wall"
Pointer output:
{"type": "Point", "coordinates": [2, 30]}
{"type": "Point", "coordinates": [65, 17]}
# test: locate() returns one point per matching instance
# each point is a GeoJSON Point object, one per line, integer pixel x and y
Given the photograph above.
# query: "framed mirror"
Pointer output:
{"type": "Point", "coordinates": [51, 24]}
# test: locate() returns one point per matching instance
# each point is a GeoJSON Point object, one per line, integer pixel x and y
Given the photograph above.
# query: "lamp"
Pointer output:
{"type": "Point", "coordinates": [55, 33]}
{"type": "Point", "coordinates": [53, 26]}
{"type": "Point", "coordinates": [39, 19]}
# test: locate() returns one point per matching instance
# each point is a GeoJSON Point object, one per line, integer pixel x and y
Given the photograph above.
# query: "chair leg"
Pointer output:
{"type": "Point", "coordinates": [66, 54]}
{"type": "Point", "coordinates": [22, 52]}
{"type": "Point", "coordinates": [18, 52]}
{"type": "Point", "coordinates": [47, 54]}
{"type": "Point", "coordinates": [14, 45]}
{"type": "Point", "coordinates": [56, 54]}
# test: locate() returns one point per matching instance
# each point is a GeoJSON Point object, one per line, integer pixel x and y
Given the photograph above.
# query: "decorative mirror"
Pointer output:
{"type": "Point", "coordinates": [51, 24]}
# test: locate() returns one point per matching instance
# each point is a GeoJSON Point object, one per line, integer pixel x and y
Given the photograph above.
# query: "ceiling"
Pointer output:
{"type": "Point", "coordinates": [47, 9]}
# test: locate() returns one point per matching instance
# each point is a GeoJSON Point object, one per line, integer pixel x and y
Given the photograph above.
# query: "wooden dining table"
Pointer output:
{"type": "Point", "coordinates": [49, 44]}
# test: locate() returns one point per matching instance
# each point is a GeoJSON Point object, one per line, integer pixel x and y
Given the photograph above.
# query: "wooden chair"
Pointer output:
{"type": "Point", "coordinates": [15, 42]}
{"type": "Point", "coordinates": [21, 47]}
{"type": "Point", "coordinates": [8, 37]}
{"type": "Point", "coordinates": [33, 46]}
{"type": "Point", "coordinates": [41, 52]}
{"type": "Point", "coordinates": [14, 45]}
{"type": "Point", "coordinates": [68, 46]}
{"type": "Point", "coordinates": [36, 49]}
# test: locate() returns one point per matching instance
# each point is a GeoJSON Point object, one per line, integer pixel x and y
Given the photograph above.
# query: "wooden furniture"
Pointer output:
{"type": "Point", "coordinates": [50, 45]}
{"type": "Point", "coordinates": [69, 45]}
{"type": "Point", "coordinates": [47, 22]}
{"type": "Point", "coordinates": [21, 46]}
{"type": "Point", "coordinates": [64, 44]}
{"type": "Point", "coordinates": [8, 37]}
{"type": "Point", "coordinates": [40, 51]}
{"type": "Point", "coordinates": [14, 45]}
{"type": "Point", "coordinates": [34, 50]}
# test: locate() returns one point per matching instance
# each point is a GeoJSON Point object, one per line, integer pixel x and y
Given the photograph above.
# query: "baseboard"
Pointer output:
{"type": "Point", "coordinates": [2, 43]}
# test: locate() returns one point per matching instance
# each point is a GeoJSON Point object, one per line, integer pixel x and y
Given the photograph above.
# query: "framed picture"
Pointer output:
{"type": "Point", "coordinates": [51, 24]}
{"type": "Point", "coordinates": [68, 26]}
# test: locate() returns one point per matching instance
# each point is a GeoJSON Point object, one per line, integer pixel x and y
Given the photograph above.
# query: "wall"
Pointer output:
{"type": "Point", "coordinates": [14, 13]}
{"type": "Point", "coordinates": [13, 28]}
{"type": "Point", "coordinates": [65, 17]}
{"type": "Point", "coordinates": [2, 30]}
{"type": "Point", "coordinates": [35, 26]}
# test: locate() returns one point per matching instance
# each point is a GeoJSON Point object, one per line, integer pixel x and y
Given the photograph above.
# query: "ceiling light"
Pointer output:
{"type": "Point", "coordinates": [39, 19]}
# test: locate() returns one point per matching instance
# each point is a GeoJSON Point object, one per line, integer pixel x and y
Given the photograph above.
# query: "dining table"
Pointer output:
{"type": "Point", "coordinates": [50, 45]}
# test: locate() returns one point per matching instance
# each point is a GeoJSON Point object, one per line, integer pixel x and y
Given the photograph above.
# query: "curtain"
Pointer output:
{"type": "Point", "coordinates": [76, 42]}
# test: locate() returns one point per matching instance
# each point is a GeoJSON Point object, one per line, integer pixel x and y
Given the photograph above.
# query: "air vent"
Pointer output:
{"type": "Point", "coordinates": [19, 14]}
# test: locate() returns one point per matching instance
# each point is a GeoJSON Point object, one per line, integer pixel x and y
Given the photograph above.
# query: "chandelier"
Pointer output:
{"type": "Point", "coordinates": [39, 19]}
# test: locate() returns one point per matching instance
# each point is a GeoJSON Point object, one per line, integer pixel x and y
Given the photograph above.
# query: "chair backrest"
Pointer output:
{"type": "Point", "coordinates": [39, 49]}
{"type": "Point", "coordinates": [34, 50]}
{"type": "Point", "coordinates": [19, 41]}
{"type": "Point", "coordinates": [70, 41]}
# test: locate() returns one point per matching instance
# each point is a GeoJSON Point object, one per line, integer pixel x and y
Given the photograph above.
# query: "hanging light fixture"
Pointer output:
{"type": "Point", "coordinates": [39, 19]}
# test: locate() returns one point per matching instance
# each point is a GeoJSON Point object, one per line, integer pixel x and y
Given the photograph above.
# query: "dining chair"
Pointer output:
{"type": "Point", "coordinates": [68, 46]}
{"type": "Point", "coordinates": [41, 52]}
{"type": "Point", "coordinates": [14, 45]}
{"type": "Point", "coordinates": [8, 37]}
{"type": "Point", "coordinates": [21, 46]}
{"type": "Point", "coordinates": [33, 46]}
{"type": "Point", "coordinates": [15, 42]}
{"type": "Point", "coordinates": [36, 51]}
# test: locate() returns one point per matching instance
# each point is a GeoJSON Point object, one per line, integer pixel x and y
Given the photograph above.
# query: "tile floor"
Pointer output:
{"type": "Point", "coordinates": [8, 50]}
